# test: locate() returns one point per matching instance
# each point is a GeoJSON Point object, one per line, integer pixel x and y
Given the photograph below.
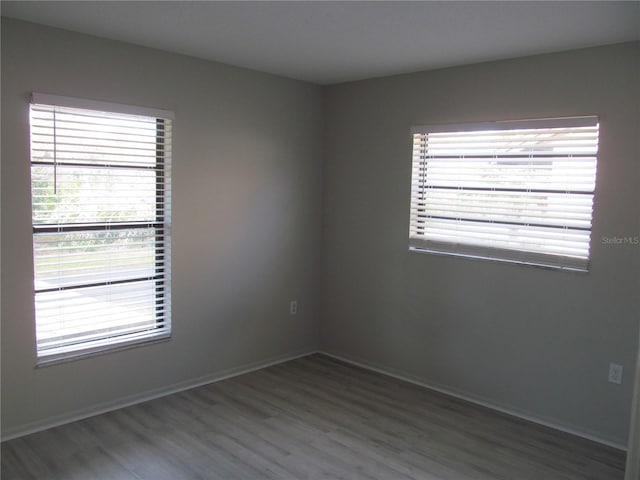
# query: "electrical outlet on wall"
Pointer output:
{"type": "Point", "coordinates": [293, 307]}
{"type": "Point", "coordinates": [615, 373]}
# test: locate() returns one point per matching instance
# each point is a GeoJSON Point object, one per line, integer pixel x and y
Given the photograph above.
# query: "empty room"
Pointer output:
{"type": "Point", "coordinates": [320, 240]}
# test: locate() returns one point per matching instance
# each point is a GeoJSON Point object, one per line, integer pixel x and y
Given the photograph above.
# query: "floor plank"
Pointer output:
{"type": "Point", "coordinates": [311, 418]}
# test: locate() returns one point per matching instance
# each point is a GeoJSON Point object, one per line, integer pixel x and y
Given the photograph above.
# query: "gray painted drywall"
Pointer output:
{"type": "Point", "coordinates": [534, 341]}
{"type": "Point", "coordinates": [247, 199]}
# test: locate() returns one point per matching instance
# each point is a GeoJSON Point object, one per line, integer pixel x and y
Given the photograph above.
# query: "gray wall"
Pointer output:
{"type": "Point", "coordinates": [248, 180]}
{"type": "Point", "coordinates": [534, 341]}
{"type": "Point", "coordinates": [247, 200]}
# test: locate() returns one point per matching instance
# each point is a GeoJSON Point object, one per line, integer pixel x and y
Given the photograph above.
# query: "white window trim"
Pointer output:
{"type": "Point", "coordinates": [83, 103]}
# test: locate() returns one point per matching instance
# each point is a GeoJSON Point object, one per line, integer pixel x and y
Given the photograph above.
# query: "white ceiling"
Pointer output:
{"type": "Point", "coordinates": [330, 42]}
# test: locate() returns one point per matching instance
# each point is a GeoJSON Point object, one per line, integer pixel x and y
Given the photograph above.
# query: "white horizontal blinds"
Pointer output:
{"type": "Point", "coordinates": [101, 210]}
{"type": "Point", "coordinates": [515, 191]}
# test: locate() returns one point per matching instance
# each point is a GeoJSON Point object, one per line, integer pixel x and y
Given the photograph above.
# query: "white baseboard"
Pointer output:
{"type": "Point", "coordinates": [509, 410]}
{"type": "Point", "coordinates": [233, 372]}
{"type": "Point", "coordinates": [105, 407]}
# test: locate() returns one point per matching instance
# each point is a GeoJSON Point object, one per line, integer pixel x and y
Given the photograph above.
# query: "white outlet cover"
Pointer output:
{"type": "Point", "coordinates": [615, 373]}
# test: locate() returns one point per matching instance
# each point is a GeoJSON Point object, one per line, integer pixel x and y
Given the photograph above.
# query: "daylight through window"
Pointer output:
{"type": "Point", "coordinates": [100, 180]}
{"type": "Point", "coordinates": [510, 191]}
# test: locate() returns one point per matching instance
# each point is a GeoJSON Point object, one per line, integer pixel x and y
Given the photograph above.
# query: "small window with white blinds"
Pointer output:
{"type": "Point", "coordinates": [100, 183]}
{"type": "Point", "coordinates": [517, 191]}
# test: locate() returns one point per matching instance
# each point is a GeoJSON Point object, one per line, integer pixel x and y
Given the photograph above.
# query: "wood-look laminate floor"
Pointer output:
{"type": "Point", "coordinates": [311, 418]}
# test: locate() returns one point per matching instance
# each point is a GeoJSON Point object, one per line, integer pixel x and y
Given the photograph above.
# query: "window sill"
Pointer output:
{"type": "Point", "coordinates": [72, 356]}
{"type": "Point", "coordinates": [499, 260]}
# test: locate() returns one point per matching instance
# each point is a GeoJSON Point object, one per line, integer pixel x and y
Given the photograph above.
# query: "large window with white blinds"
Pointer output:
{"type": "Point", "coordinates": [101, 211]}
{"type": "Point", "coordinates": [517, 191]}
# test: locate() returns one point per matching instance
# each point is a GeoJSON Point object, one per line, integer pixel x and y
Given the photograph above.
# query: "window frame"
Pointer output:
{"type": "Point", "coordinates": [161, 280]}
{"type": "Point", "coordinates": [421, 241]}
